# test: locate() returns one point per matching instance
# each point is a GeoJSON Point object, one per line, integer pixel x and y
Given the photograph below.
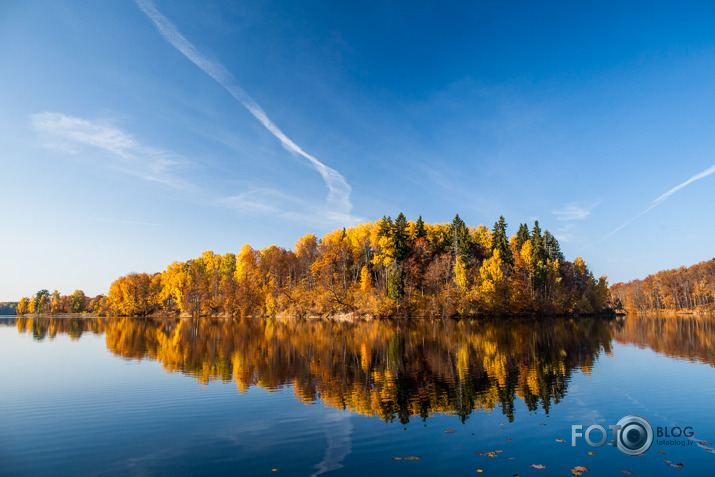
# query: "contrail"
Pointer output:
{"type": "Point", "coordinates": [710, 170]}
{"type": "Point", "coordinates": [338, 190]}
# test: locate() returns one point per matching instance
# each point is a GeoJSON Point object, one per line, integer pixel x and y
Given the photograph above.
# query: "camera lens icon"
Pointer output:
{"type": "Point", "coordinates": [635, 435]}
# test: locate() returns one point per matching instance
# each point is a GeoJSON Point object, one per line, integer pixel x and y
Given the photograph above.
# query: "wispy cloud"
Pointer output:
{"type": "Point", "coordinates": [564, 234]}
{"type": "Point", "coordinates": [258, 200]}
{"type": "Point", "coordinates": [573, 212]}
{"type": "Point", "coordinates": [338, 200]}
{"type": "Point", "coordinates": [701, 175]}
{"type": "Point", "coordinates": [71, 134]}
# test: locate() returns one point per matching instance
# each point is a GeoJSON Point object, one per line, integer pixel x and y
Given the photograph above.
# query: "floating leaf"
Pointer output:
{"type": "Point", "coordinates": [560, 440]}
{"type": "Point", "coordinates": [581, 468]}
{"type": "Point", "coordinates": [480, 470]}
{"type": "Point", "coordinates": [490, 453]}
{"type": "Point", "coordinates": [537, 466]}
{"type": "Point", "coordinates": [627, 472]}
{"type": "Point", "coordinates": [409, 457]}
{"type": "Point", "coordinates": [704, 443]}
{"type": "Point", "coordinates": [274, 470]}
{"type": "Point", "coordinates": [679, 464]}
{"type": "Point", "coordinates": [661, 452]}
{"type": "Point", "coordinates": [590, 453]}
{"type": "Point", "coordinates": [542, 424]}
{"type": "Point", "coordinates": [508, 440]}
{"type": "Point", "coordinates": [575, 472]}
{"type": "Point", "coordinates": [667, 461]}
{"type": "Point", "coordinates": [449, 431]}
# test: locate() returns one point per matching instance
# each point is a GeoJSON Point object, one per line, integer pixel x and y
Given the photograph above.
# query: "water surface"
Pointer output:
{"type": "Point", "coordinates": [124, 396]}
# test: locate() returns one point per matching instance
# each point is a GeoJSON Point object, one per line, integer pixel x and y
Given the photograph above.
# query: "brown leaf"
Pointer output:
{"type": "Point", "coordinates": [449, 431]}
{"type": "Point", "coordinates": [575, 472]}
{"type": "Point", "coordinates": [508, 440]}
{"type": "Point", "coordinates": [627, 472]}
{"type": "Point", "coordinates": [542, 424]}
{"type": "Point", "coordinates": [590, 453]}
{"type": "Point", "coordinates": [679, 464]}
{"type": "Point", "coordinates": [409, 457]}
{"type": "Point", "coordinates": [560, 440]}
{"type": "Point", "coordinates": [581, 468]}
{"type": "Point", "coordinates": [705, 443]}
{"type": "Point", "coordinates": [537, 466]}
{"type": "Point", "coordinates": [661, 452]}
{"type": "Point", "coordinates": [490, 453]}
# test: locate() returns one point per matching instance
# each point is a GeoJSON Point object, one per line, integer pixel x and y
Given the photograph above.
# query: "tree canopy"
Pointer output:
{"type": "Point", "coordinates": [381, 269]}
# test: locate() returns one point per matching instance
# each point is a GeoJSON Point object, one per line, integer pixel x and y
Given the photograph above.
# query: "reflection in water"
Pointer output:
{"type": "Point", "coordinates": [691, 337]}
{"type": "Point", "coordinates": [391, 369]}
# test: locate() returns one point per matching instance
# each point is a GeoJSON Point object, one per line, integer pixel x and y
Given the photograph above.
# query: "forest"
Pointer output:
{"type": "Point", "coordinates": [684, 289]}
{"type": "Point", "coordinates": [390, 268]}
{"type": "Point", "coordinates": [8, 307]}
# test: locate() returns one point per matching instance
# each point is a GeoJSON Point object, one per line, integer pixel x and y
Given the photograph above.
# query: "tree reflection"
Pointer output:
{"type": "Point", "coordinates": [691, 337]}
{"type": "Point", "coordinates": [391, 369]}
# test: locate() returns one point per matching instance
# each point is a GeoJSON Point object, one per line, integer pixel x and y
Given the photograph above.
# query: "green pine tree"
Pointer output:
{"type": "Point", "coordinates": [500, 242]}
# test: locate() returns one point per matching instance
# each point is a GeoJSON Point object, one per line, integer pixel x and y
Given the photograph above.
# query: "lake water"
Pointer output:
{"type": "Point", "coordinates": [266, 397]}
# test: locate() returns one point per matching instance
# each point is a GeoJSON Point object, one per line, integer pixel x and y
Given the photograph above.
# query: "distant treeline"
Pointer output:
{"type": "Point", "coordinates": [8, 308]}
{"type": "Point", "coordinates": [679, 289]}
{"type": "Point", "coordinates": [388, 268]}
{"type": "Point", "coordinates": [44, 302]}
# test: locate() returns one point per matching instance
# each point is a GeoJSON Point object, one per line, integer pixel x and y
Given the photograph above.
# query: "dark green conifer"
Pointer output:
{"type": "Point", "coordinates": [420, 231]}
{"type": "Point", "coordinates": [522, 235]}
{"type": "Point", "coordinates": [552, 247]}
{"type": "Point", "coordinates": [400, 237]}
{"type": "Point", "coordinates": [500, 242]}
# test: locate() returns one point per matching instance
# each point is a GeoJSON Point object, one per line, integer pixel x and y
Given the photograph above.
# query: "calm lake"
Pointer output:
{"type": "Point", "coordinates": [132, 396]}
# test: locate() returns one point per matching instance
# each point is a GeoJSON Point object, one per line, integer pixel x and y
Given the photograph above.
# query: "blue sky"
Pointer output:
{"type": "Point", "coordinates": [140, 133]}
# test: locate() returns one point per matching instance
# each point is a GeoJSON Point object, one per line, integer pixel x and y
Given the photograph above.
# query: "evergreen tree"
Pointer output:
{"type": "Point", "coordinates": [420, 231]}
{"type": "Point", "coordinates": [461, 242]}
{"type": "Point", "coordinates": [384, 226]}
{"type": "Point", "coordinates": [538, 256]}
{"type": "Point", "coordinates": [399, 234]}
{"type": "Point", "coordinates": [522, 235]}
{"type": "Point", "coordinates": [552, 247]}
{"type": "Point", "coordinates": [500, 242]}
{"type": "Point", "coordinates": [537, 241]}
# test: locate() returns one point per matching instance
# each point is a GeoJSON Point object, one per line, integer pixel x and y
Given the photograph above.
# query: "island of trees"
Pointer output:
{"type": "Point", "coordinates": [685, 289]}
{"type": "Point", "coordinates": [388, 268]}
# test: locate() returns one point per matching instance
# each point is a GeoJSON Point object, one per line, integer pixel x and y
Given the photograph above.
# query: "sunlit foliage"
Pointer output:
{"type": "Point", "coordinates": [689, 289]}
{"type": "Point", "coordinates": [387, 268]}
